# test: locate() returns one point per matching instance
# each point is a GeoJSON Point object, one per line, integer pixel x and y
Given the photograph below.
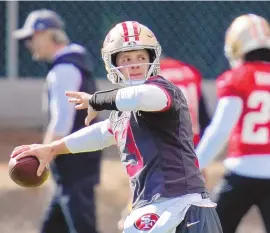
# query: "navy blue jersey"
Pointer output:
{"type": "Point", "coordinates": [157, 148]}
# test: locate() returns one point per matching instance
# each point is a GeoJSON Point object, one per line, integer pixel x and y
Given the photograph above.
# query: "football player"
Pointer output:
{"type": "Point", "coordinates": [242, 118]}
{"type": "Point", "coordinates": [189, 80]}
{"type": "Point", "coordinates": [151, 126]}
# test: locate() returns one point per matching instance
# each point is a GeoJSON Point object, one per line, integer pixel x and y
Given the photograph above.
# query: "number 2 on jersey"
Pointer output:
{"type": "Point", "coordinates": [255, 129]}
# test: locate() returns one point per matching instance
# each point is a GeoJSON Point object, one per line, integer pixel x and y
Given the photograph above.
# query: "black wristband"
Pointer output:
{"type": "Point", "coordinates": [104, 100]}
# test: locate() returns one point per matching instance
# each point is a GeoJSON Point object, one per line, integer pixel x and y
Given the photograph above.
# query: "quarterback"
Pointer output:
{"type": "Point", "coordinates": [189, 80]}
{"type": "Point", "coordinates": [151, 126]}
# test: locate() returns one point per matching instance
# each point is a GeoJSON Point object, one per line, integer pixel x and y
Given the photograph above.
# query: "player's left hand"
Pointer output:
{"type": "Point", "coordinates": [81, 99]}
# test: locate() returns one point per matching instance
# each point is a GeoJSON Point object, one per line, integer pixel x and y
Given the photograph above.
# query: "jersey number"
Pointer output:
{"type": "Point", "coordinates": [255, 128]}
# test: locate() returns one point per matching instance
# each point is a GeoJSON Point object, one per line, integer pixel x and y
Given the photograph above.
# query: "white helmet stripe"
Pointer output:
{"type": "Point", "coordinates": [130, 30]}
{"type": "Point", "coordinates": [257, 27]}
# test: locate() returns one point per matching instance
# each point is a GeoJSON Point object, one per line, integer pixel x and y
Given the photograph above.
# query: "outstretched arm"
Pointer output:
{"type": "Point", "coordinates": [217, 133]}
{"type": "Point", "coordinates": [92, 138]}
{"type": "Point", "coordinates": [146, 97]}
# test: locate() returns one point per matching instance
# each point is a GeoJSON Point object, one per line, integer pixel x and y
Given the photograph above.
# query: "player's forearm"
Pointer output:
{"type": "Point", "coordinates": [59, 147]}
{"type": "Point", "coordinates": [91, 138]}
{"type": "Point", "coordinates": [210, 146]}
{"type": "Point", "coordinates": [142, 97]}
{"type": "Point", "coordinates": [217, 134]}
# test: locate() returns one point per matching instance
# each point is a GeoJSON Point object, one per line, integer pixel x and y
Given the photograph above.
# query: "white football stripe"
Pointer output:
{"type": "Point", "coordinates": [131, 32]}
{"type": "Point", "coordinates": [258, 26]}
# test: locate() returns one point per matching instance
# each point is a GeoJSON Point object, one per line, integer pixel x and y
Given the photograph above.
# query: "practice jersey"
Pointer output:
{"type": "Point", "coordinates": [188, 79]}
{"type": "Point", "coordinates": [157, 148]}
{"type": "Point", "coordinates": [251, 83]}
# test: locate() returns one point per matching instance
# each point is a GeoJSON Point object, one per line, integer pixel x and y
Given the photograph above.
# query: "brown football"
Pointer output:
{"type": "Point", "coordinates": [24, 172]}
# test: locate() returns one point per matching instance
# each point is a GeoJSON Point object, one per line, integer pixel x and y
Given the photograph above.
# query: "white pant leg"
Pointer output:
{"type": "Point", "coordinates": [158, 217]}
{"type": "Point", "coordinates": [163, 215]}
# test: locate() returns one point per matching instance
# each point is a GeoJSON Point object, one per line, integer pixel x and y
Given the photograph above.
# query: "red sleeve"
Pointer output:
{"type": "Point", "coordinates": [225, 85]}
{"type": "Point", "coordinates": [197, 80]}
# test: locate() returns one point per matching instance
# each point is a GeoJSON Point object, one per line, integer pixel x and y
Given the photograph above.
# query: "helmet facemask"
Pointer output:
{"type": "Point", "coordinates": [137, 38]}
{"type": "Point", "coordinates": [133, 74]}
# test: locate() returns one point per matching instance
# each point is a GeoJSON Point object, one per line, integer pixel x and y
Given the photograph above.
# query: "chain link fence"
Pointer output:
{"type": "Point", "coordinates": [190, 31]}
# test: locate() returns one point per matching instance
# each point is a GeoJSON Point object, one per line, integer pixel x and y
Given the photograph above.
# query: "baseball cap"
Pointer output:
{"type": "Point", "coordinates": [39, 20]}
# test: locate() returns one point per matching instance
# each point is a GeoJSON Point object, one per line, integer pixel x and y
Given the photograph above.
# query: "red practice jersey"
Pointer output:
{"type": "Point", "coordinates": [251, 83]}
{"type": "Point", "coordinates": [188, 79]}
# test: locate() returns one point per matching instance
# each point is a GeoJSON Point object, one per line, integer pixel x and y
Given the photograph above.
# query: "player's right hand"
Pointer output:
{"type": "Point", "coordinates": [44, 153]}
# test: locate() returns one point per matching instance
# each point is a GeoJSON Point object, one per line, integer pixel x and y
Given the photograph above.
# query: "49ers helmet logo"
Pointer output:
{"type": "Point", "coordinates": [146, 222]}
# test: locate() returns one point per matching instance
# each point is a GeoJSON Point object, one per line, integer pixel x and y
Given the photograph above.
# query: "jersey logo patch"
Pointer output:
{"type": "Point", "coordinates": [146, 222]}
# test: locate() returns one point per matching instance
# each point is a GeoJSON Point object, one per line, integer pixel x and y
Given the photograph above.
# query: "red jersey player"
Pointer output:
{"type": "Point", "coordinates": [243, 119]}
{"type": "Point", "coordinates": [189, 80]}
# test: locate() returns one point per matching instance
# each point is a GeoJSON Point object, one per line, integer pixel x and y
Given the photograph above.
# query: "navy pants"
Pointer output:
{"type": "Point", "coordinates": [72, 210]}
{"type": "Point", "coordinates": [236, 195]}
{"type": "Point", "coordinates": [200, 220]}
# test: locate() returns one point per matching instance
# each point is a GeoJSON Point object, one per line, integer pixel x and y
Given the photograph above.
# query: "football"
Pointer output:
{"type": "Point", "coordinates": [24, 172]}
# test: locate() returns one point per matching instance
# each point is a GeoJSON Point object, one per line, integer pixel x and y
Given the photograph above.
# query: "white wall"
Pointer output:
{"type": "Point", "coordinates": [21, 105]}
